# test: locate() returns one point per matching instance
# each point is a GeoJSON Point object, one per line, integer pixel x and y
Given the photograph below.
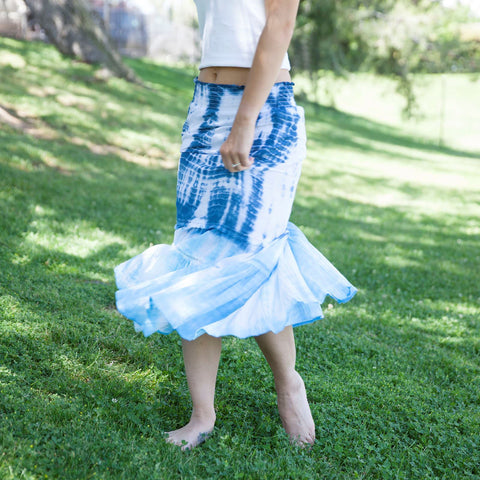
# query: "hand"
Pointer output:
{"type": "Point", "coordinates": [235, 150]}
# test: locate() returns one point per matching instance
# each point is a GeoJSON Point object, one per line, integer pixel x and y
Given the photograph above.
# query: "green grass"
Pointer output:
{"type": "Point", "coordinates": [393, 376]}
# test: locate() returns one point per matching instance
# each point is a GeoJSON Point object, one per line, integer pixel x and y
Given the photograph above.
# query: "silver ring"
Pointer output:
{"type": "Point", "coordinates": [235, 164]}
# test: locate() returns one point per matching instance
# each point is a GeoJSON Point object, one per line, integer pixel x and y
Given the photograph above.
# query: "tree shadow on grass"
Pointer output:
{"type": "Point", "coordinates": [74, 373]}
{"type": "Point", "coordinates": [357, 132]}
{"type": "Point", "coordinates": [62, 339]}
{"type": "Point", "coordinates": [417, 289]}
{"type": "Point", "coordinates": [98, 199]}
{"type": "Point", "coordinates": [75, 104]}
{"type": "Point", "coordinates": [421, 242]}
{"type": "Point", "coordinates": [103, 190]}
{"type": "Point", "coordinates": [174, 79]}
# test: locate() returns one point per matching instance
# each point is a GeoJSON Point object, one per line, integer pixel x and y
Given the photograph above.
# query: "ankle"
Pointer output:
{"type": "Point", "coordinates": [204, 416]}
{"type": "Point", "coordinates": [288, 382]}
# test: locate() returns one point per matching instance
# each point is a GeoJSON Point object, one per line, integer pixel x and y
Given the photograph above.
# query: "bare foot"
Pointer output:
{"type": "Point", "coordinates": [295, 412]}
{"type": "Point", "coordinates": [195, 432]}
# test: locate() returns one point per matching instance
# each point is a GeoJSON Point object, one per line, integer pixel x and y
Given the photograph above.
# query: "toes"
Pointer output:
{"type": "Point", "coordinates": [184, 444]}
{"type": "Point", "coordinates": [305, 442]}
{"type": "Point", "coordinates": [186, 439]}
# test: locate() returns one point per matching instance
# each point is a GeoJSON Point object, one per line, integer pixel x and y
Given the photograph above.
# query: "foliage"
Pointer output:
{"type": "Point", "coordinates": [90, 181]}
{"type": "Point", "coordinates": [388, 37]}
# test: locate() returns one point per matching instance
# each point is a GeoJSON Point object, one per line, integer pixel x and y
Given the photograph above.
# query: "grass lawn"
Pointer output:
{"type": "Point", "coordinates": [87, 180]}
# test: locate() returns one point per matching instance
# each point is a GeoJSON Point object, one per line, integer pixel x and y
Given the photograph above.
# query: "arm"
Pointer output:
{"type": "Point", "coordinates": [271, 49]}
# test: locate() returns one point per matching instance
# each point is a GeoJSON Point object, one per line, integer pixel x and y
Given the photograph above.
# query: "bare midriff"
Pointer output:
{"type": "Point", "coordinates": [234, 75]}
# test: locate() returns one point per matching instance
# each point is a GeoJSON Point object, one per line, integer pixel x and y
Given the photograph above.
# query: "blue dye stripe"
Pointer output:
{"type": "Point", "coordinates": [252, 207]}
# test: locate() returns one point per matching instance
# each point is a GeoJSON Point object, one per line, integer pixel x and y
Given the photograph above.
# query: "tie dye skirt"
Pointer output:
{"type": "Point", "coordinates": [237, 266]}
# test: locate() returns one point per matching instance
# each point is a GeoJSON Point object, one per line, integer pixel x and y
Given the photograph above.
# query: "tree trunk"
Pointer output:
{"type": "Point", "coordinates": [70, 26]}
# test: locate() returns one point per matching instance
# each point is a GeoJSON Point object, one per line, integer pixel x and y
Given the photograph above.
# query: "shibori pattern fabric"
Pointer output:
{"type": "Point", "coordinates": [252, 206]}
{"type": "Point", "coordinates": [237, 266]}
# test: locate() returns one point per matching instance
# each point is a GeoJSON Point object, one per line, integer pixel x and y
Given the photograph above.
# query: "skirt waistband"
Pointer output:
{"type": "Point", "coordinates": [280, 95]}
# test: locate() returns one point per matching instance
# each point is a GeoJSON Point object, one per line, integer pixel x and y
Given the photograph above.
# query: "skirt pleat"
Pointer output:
{"type": "Point", "coordinates": [213, 289]}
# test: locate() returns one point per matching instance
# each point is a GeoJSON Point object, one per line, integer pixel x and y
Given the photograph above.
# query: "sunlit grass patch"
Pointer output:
{"type": "Point", "coordinates": [393, 376]}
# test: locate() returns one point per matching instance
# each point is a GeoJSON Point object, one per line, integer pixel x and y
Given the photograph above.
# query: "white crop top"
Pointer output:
{"type": "Point", "coordinates": [230, 30]}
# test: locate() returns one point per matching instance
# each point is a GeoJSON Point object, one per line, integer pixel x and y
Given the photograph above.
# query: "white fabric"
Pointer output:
{"type": "Point", "coordinates": [220, 276]}
{"type": "Point", "coordinates": [230, 30]}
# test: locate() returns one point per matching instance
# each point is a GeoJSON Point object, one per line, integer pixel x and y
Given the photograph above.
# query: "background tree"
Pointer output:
{"type": "Point", "coordinates": [388, 37]}
{"type": "Point", "coordinates": [70, 26]}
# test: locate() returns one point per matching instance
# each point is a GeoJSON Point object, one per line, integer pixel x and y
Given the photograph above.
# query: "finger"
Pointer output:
{"type": "Point", "coordinates": [233, 163]}
{"type": "Point", "coordinates": [240, 166]}
{"type": "Point", "coordinates": [228, 159]}
{"type": "Point", "coordinates": [236, 162]}
{"type": "Point", "coordinates": [227, 162]}
{"type": "Point", "coordinates": [241, 160]}
{"type": "Point", "coordinates": [245, 162]}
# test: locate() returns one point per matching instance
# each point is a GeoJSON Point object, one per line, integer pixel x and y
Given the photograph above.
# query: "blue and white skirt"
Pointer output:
{"type": "Point", "coordinates": [237, 266]}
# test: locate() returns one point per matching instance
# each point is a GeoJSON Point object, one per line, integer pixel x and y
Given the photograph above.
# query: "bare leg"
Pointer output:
{"type": "Point", "coordinates": [201, 357]}
{"type": "Point", "coordinates": [280, 353]}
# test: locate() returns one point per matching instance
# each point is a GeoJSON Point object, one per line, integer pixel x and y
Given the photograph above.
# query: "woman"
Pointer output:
{"type": "Point", "coordinates": [237, 266]}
